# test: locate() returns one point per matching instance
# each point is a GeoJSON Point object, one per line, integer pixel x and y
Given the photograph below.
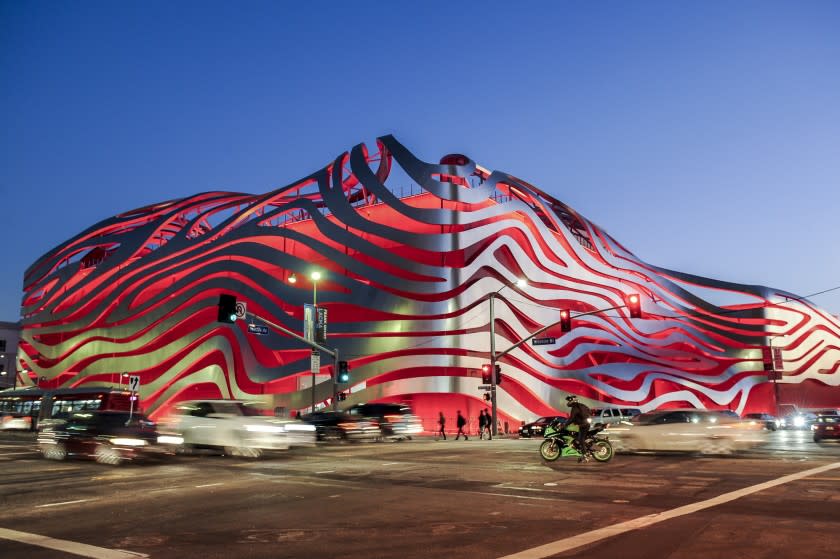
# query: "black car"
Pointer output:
{"type": "Point", "coordinates": [334, 426]}
{"type": "Point", "coordinates": [536, 428]}
{"type": "Point", "coordinates": [396, 421]}
{"type": "Point", "coordinates": [109, 437]}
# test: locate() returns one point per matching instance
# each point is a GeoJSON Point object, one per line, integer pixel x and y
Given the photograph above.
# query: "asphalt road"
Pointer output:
{"type": "Point", "coordinates": [426, 498]}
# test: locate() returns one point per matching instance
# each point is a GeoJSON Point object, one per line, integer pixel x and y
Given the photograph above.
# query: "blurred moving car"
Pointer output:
{"type": "Point", "coordinates": [237, 428]}
{"type": "Point", "coordinates": [536, 428]}
{"type": "Point", "coordinates": [612, 415]}
{"type": "Point", "coordinates": [797, 420]}
{"type": "Point", "coordinates": [335, 426]}
{"type": "Point", "coordinates": [826, 426]}
{"type": "Point", "coordinates": [692, 430]}
{"type": "Point", "coordinates": [396, 421]}
{"type": "Point", "coordinates": [108, 437]}
{"type": "Point", "coordinates": [770, 422]}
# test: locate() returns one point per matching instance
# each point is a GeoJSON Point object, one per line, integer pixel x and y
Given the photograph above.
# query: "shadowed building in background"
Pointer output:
{"type": "Point", "coordinates": [407, 274]}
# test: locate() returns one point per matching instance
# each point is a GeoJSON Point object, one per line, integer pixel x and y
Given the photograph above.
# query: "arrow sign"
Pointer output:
{"type": "Point", "coordinates": [258, 330]}
{"type": "Point", "coordinates": [543, 341]}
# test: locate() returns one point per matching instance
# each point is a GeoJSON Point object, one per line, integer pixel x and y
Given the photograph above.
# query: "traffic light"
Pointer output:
{"type": "Point", "coordinates": [634, 303]}
{"type": "Point", "coordinates": [227, 308]}
{"type": "Point", "coordinates": [343, 372]}
{"type": "Point", "coordinates": [565, 320]}
{"type": "Point", "coordinates": [498, 374]}
{"type": "Point", "coordinates": [485, 374]}
{"type": "Point", "coordinates": [341, 396]}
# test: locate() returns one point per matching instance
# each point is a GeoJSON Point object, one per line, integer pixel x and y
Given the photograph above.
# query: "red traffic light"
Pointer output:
{"type": "Point", "coordinates": [565, 320]}
{"type": "Point", "coordinates": [634, 304]}
{"type": "Point", "coordinates": [485, 374]}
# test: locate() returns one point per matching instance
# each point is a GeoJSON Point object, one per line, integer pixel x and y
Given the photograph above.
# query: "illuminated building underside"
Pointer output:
{"type": "Point", "coordinates": [406, 277]}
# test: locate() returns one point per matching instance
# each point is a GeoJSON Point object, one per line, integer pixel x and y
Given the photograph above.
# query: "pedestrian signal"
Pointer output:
{"type": "Point", "coordinates": [341, 396]}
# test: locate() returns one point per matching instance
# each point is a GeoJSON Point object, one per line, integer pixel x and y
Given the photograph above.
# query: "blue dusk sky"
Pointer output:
{"type": "Point", "coordinates": [704, 136]}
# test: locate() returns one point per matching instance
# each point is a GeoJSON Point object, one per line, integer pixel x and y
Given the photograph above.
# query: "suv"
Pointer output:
{"type": "Point", "coordinates": [237, 428]}
{"type": "Point", "coordinates": [612, 415]}
{"type": "Point", "coordinates": [395, 420]}
{"type": "Point", "coordinates": [109, 437]}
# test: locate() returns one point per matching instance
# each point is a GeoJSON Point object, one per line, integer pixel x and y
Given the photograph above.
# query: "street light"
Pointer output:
{"type": "Point", "coordinates": [315, 275]}
{"type": "Point", "coordinates": [493, 414]}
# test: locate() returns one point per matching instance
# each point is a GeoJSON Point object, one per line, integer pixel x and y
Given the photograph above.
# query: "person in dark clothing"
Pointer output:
{"type": "Point", "coordinates": [578, 415]}
{"type": "Point", "coordinates": [442, 423]}
{"type": "Point", "coordinates": [482, 423]}
{"type": "Point", "coordinates": [460, 422]}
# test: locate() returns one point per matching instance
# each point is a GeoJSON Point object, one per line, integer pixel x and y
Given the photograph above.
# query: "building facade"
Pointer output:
{"type": "Point", "coordinates": [408, 274]}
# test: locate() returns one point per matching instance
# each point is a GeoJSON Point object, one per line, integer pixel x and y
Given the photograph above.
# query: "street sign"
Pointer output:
{"type": "Point", "coordinates": [321, 326]}
{"type": "Point", "coordinates": [258, 330]}
{"type": "Point", "coordinates": [485, 387]}
{"type": "Point", "coordinates": [134, 383]}
{"type": "Point", "coordinates": [241, 310]}
{"type": "Point", "coordinates": [309, 322]}
{"type": "Point", "coordinates": [315, 362]}
{"type": "Point", "coordinates": [543, 341]}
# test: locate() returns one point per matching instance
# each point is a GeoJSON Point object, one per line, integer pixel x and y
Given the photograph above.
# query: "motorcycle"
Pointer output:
{"type": "Point", "coordinates": [562, 442]}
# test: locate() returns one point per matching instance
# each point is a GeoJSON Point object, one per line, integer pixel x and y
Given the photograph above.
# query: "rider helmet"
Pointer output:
{"type": "Point", "coordinates": [571, 399]}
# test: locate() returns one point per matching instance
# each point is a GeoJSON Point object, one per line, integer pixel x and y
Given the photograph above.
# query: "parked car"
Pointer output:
{"type": "Point", "coordinates": [108, 437]}
{"type": "Point", "coordinates": [612, 415]}
{"type": "Point", "coordinates": [770, 422]}
{"type": "Point", "coordinates": [396, 421]}
{"type": "Point", "coordinates": [536, 428]}
{"type": "Point", "coordinates": [692, 430]}
{"type": "Point", "coordinates": [826, 426]}
{"type": "Point", "coordinates": [237, 428]}
{"type": "Point", "coordinates": [334, 426]}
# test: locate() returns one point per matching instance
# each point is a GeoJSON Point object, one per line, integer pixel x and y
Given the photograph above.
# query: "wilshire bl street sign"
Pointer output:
{"type": "Point", "coordinates": [543, 341]}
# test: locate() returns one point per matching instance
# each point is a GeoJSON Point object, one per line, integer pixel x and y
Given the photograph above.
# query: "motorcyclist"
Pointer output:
{"type": "Point", "coordinates": [578, 415]}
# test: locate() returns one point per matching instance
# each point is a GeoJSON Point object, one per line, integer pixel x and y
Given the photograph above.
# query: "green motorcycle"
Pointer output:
{"type": "Point", "coordinates": [561, 442]}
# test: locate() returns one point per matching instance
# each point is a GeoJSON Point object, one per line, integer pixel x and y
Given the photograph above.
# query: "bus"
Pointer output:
{"type": "Point", "coordinates": [34, 408]}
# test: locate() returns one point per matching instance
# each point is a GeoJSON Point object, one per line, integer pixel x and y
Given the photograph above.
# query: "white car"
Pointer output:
{"type": "Point", "coordinates": [237, 428]}
{"type": "Point", "coordinates": [691, 430]}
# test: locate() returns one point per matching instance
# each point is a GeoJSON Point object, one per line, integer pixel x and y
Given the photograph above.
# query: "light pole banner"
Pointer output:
{"type": "Point", "coordinates": [309, 322]}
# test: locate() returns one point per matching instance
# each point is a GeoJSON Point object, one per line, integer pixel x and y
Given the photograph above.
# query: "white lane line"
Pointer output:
{"type": "Point", "coordinates": [326, 472]}
{"type": "Point", "coordinates": [67, 546]}
{"type": "Point", "coordinates": [390, 463]}
{"type": "Point", "coordinates": [210, 485]}
{"type": "Point", "coordinates": [587, 538]}
{"type": "Point", "coordinates": [64, 503]}
{"type": "Point", "coordinates": [514, 496]}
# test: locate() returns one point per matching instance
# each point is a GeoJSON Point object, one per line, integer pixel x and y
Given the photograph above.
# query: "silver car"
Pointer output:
{"type": "Point", "coordinates": [237, 428]}
{"type": "Point", "coordinates": [691, 430]}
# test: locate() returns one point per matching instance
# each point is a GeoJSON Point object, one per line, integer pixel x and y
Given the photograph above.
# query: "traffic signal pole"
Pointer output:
{"type": "Point", "coordinates": [493, 367]}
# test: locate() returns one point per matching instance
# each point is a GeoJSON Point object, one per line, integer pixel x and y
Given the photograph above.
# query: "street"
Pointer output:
{"type": "Point", "coordinates": [426, 498]}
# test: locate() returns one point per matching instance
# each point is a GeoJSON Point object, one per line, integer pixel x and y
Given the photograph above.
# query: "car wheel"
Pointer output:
{"type": "Point", "coordinates": [55, 451]}
{"type": "Point", "coordinates": [107, 454]}
{"type": "Point", "coordinates": [333, 435]}
{"type": "Point", "coordinates": [817, 438]}
{"type": "Point", "coordinates": [716, 446]}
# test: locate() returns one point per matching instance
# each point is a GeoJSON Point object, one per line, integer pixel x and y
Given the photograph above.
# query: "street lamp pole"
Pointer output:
{"type": "Point", "coordinates": [775, 372]}
{"type": "Point", "coordinates": [314, 276]}
{"type": "Point", "coordinates": [493, 405]}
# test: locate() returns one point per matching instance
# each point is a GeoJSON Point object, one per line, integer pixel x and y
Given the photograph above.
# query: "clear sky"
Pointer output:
{"type": "Point", "coordinates": [704, 136]}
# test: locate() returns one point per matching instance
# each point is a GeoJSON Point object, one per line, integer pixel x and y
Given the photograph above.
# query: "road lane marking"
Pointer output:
{"type": "Point", "coordinates": [390, 463]}
{"type": "Point", "coordinates": [514, 496]}
{"type": "Point", "coordinates": [64, 503]}
{"type": "Point", "coordinates": [587, 538]}
{"type": "Point", "coordinates": [210, 485]}
{"type": "Point", "coordinates": [326, 472]}
{"type": "Point", "coordinates": [67, 546]}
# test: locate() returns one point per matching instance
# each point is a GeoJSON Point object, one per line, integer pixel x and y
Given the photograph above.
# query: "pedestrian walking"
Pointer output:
{"type": "Point", "coordinates": [460, 421]}
{"type": "Point", "coordinates": [482, 423]}
{"type": "Point", "coordinates": [488, 422]}
{"type": "Point", "coordinates": [442, 428]}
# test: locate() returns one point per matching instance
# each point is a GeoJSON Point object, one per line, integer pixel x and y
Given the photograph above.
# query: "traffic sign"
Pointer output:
{"type": "Point", "coordinates": [543, 341]}
{"type": "Point", "coordinates": [485, 387]}
{"type": "Point", "coordinates": [241, 310]}
{"type": "Point", "coordinates": [315, 362]}
{"type": "Point", "coordinates": [258, 330]}
{"type": "Point", "coordinates": [134, 383]}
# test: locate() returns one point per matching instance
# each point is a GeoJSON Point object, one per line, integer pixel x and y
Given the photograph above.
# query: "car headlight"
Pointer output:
{"type": "Point", "coordinates": [798, 421]}
{"type": "Point", "coordinates": [261, 428]}
{"type": "Point", "coordinates": [170, 439]}
{"type": "Point", "coordinates": [125, 441]}
{"type": "Point", "coordinates": [300, 427]}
